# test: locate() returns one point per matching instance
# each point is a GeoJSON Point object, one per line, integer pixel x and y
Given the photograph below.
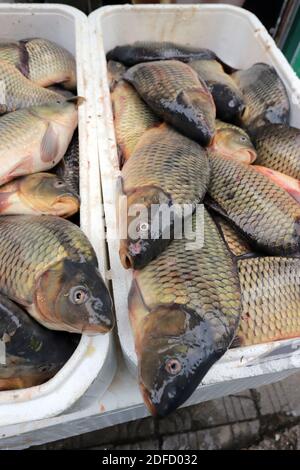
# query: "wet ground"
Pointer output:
{"type": "Point", "coordinates": [264, 418]}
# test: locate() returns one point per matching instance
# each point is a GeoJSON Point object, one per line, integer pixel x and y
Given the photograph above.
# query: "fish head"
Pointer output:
{"type": "Point", "coordinates": [199, 109]}
{"type": "Point", "coordinates": [115, 72]}
{"type": "Point", "coordinates": [48, 194]}
{"type": "Point", "coordinates": [232, 142]}
{"type": "Point", "coordinates": [146, 237]}
{"type": "Point", "coordinates": [228, 100]}
{"type": "Point", "coordinates": [176, 351]}
{"type": "Point", "coordinates": [72, 296]}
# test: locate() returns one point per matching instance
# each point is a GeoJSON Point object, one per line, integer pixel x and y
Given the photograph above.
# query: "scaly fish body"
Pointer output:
{"type": "Point", "coordinates": [15, 54]}
{"type": "Point", "coordinates": [48, 266]}
{"type": "Point", "coordinates": [173, 90]}
{"type": "Point", "coordinates": [228, 98]}
{"type": "Point", "coordinates": [184, 309]}
{"type": "Point", "coordinates": [42, 61]}
{"type": "Point", "coordinates": [150, 51]}
{"type": "Point", "coordinates": [38, 194]}
{"type": "Point", "coordinates": [166, 169]}
{"type": "Point", "coordinates": [17, 92]}
{"type": "Point", "coordinates": [278, 148]}
{"type": "Point", "coordinates": [232, 142]}
{"type": "Point", "coordinates": [132, 117]}
{"type": "Point", "coordinates": [32, 354]}
{"type": "Point", "coordinates": [68, 167]}
{"type": "Point", "coordinates": [61, 91]}
{"type": "Point", "coordinates": [270, 290]}
{"type": "Point", "coordinates": [264, 212]}
{"type": "Point", "coordinates": [265, 96]}
{"type": "Point", "coordinates": [35, 139]}
{"type": "Point", "coordinates": [289, 184]}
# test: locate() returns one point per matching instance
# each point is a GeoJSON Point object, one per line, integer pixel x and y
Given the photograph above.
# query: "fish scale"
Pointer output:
{"type": "Point", "coordinates": [36, 138]}
{"type": "Point", "coordinates": [165, 159]}
{"type": "Point", "coordinates": [185, 321]}
{"type": "Point", "coordinates": [30, 248]}
{"type": "Point", "coordinates": [68, 167]}
{"type": "Point", "coordinates": [265, 96]}
{"type": "Point", "coordinates": [227, 97]}
{"type": "Point", "coordinates": [211, 276]}
{"type": "Point", "coordinates": [155, 77]}
{"type": "Point", "coordinates": [173, 90]}
{"type": "Point", "coordinates": [50, 63]}
{"type": "Point", "coordinates": [42, 61]}
{"type": "Point", "coordinates": [20, 137]}
{"type": "Point", "coordinates": [18, 92]}
{"type": "Point", "coordinates": [11, 52]}
{"type": "Point", "coordinates": [270, 299]}
{"type": "Point", "coordinates": [278, 148]}
{"type": "Point", "coordinates": [255, 206]}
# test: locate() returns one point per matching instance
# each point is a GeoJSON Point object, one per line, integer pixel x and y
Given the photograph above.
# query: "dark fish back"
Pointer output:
{"type": "Point", "coordinates": [149, 51]}
{"type": "Point", "coordinates": [68, 168]}
{"type": "Point", "coordinates": [265, 96]}
{"type": "Point", "coordinates": [255, 205]}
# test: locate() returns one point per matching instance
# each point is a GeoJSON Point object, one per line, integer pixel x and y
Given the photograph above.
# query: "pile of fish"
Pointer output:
{"type": "Point", "coordinates": [49, 277]}
{"type": "Point", "coordinates": [190, 130]}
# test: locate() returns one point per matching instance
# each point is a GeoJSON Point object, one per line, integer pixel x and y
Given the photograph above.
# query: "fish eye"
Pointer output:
{"type": "Point", "coordinates": [79, 295]}
{"type": "Point", "coordinates": [59, 184]}
{"type": "Point", "coordinates": [173, 366]}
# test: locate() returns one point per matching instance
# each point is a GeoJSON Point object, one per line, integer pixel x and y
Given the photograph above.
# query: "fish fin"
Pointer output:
{"type": "Point", "coordinates": [188, 97]}
{"type": "Point", "coordinates": [23, 167]}
{"type": "Point", "coordinates": [4, 201]}
{"type": "Point", "coordinates": [49, 145]}
{"type": "Point", "coordinates": [295, 194]}
{"type": "Point", "coordinates": [213, 205]}
{"type": "Point", "coordinates": [219, 228]}
{"type": "Point", "coordinates": [237, 342]}
{"type": "Point", "coordinates": [121, 156]}
{"type": "Point", "coordinates": [249, 255]}
{"type": "Point", "coordinates": [23, 65]}
{"type": "Point", "coordinates": [77, 100]}
{"type": "Point", "coordinates": [3, 108]}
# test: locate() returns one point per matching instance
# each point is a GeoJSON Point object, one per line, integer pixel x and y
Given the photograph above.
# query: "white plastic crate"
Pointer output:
{"type": "Point", "coordinates": [240, 40]}
{"type": "Point", "coordinates": [69, 28]}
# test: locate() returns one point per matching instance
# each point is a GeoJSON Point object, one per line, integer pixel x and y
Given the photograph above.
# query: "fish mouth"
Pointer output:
{"type": "Point", "coordinates": [176, 395]}
{"type": "Point", "coordinates": [93, 330]}
{"type": "Point", "coordinates": [104, 324]}
{"type": "Point", "coordinates": [104, 319]}
{"type": "Point", "coordinates": [67, 204]}
{"type": "Point", "coordinates": [245, 155]}
{"type": "Point", "coordinates": [252, 155]}
{"type": "Point", "coordinates": [241, 155]}
{"type": "Point", "coordinates": [137, 254]}
{"type": "Point", "coordinates": [147, 400]}
{"type": "Point", "coordinates": [126, 259]}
